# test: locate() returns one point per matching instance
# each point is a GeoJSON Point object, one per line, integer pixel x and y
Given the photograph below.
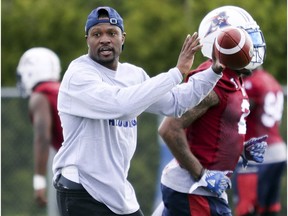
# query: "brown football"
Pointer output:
{"type": "Point", "coordinates": [233, 47]}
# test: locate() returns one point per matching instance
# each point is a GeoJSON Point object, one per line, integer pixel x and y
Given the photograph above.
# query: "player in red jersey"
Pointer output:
{"type": "Point", "coordinates": [208, 140]}
{"type": "Point", "coordinates": [38, 74]}
{"type": "Point", "coordinates": [257, 188]}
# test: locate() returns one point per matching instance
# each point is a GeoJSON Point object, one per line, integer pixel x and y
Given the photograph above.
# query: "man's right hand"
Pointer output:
{"type": "Point", "coordinates": [215, 181]}
{"type": "Point", "coordinates": [40, 197]}
{"type": "Point", "coordinates": [217, 67]}
{"type": "Point", "coordinates": [186, 57]}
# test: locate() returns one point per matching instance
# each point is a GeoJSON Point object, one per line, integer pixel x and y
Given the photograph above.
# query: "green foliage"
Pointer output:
{"type": "Point", "coordinates": [155, 33]}
{"type": "Point", "coordinates": [14, 164]}
{"type": "Point", "coordinates": [154, 36]}
{"type": "Point", "coordinates": [155, 30]}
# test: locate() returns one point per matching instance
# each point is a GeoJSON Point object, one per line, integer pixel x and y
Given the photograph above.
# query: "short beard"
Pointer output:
{"type": "Point", "coordinates": [104, 62]}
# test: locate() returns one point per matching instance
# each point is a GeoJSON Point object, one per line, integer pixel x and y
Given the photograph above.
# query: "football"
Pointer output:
{"type": "Point", "coordinates": [233, 47]}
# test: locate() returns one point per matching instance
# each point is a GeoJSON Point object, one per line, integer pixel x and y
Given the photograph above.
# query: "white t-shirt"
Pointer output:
{"type": "Point", "coordinates": [98, 108]}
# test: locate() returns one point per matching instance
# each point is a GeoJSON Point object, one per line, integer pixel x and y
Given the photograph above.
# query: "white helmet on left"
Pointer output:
{"type": "Point", "coordinates": [36, 65]}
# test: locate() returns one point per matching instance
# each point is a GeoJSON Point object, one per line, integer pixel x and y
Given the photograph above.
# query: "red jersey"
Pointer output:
{"type": "Point", "coordinates": [217, 137]}
{"type": "Point", "coordinates": [266, 112]}
{"type": "Point", "coordinates": [50, 90]}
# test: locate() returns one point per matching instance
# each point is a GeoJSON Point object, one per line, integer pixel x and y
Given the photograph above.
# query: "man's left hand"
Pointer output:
{"type": "Point", "coordinates": [254, 150]}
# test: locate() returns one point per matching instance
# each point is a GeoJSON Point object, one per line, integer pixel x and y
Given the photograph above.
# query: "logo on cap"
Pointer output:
{"type": "Point", "coordinates": [114, 18]}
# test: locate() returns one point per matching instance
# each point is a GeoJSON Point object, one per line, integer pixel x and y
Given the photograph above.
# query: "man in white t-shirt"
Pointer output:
{"type": "Point", "coordinates": [99, 101]}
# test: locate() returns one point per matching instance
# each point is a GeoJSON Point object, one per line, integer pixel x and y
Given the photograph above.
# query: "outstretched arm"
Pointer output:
{"type": "Point", "coordinates": [40, 112]}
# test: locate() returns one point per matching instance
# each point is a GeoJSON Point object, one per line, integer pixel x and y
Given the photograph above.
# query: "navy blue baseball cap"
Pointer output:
{"type": "Point", "coordinates": [114, 18]}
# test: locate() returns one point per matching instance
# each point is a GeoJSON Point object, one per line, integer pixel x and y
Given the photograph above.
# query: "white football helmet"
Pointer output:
{"type": "Point", "coordinates": [226, 16]}
{"type": "Point", "coordinates": [36, 65]}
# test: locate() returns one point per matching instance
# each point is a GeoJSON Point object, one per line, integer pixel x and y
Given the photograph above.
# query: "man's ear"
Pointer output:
{"type": "Point", "coordinates": [86, 37]}
{"type": "Point", "coordinates": [123, 37]}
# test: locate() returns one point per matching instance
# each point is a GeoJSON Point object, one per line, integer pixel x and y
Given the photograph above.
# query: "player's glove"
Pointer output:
{"type": "Point", "coordinates": [215, 181]}
{"type": "Point", "coordinates": [254, 150]}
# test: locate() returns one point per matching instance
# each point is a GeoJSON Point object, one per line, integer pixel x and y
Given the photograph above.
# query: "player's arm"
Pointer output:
{"type": "Point", "coordinates": [39, 109]}
{"type": "Point", "coordinates": [172, 132]}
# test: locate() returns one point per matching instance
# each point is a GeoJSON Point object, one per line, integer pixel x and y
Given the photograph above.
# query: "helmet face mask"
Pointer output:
{"type": "Point", "coordinates": [259, 48]}
{"type": "Point", "coordinates": [226, 16]}
{"type": "Point", "coordinates": [36, 65]}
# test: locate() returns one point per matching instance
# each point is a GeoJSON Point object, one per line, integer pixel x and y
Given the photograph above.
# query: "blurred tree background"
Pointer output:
{"type": "Point", "coordinates": [155, 30]}
{"type": "Point", "coordinates": [155, 33]}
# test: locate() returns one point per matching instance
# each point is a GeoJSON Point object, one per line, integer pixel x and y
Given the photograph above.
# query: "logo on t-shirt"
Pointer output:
{"type": "Point", "coordinates": [123, 123]}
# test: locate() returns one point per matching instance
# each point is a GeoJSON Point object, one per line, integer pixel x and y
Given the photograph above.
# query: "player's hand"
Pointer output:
{"type": "Point", "coordinates": [186, 57]}
{"type": "Point", "coordinates": [254, 150]}
{"type": "Point", "coordinates": [40, 197]}
{"type": "Point", "coordinates": [217, 67]}
{"type": "Point", "coordinates": [215, 181]}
